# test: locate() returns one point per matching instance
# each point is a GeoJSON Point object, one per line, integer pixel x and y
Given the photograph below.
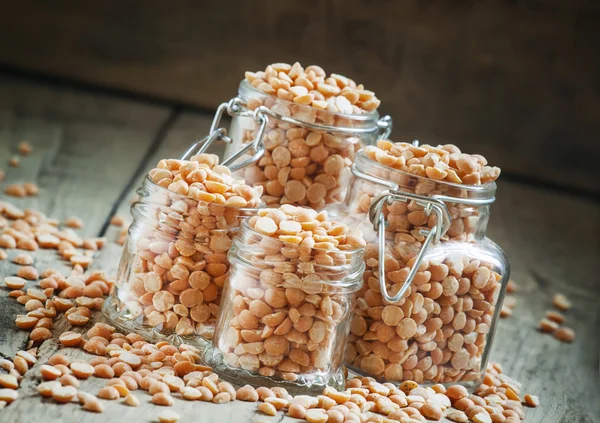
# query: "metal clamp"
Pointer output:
{"type": "Point", "coordinates": [385, 124]}
{"type": "Point", "coordinates": [237, 107]}
{"type": "Point", "coordinates": [435, 203]}
{"type": "Point", "coordinates": [377, 218]}
{"type": "Point", "coordinates": [234, 107]}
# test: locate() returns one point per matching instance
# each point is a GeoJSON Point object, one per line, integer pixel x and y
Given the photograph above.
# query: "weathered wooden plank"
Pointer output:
{"type": "Point", "coordinates": [565, 376]}
{"type": "Point", "coordinates": [551, 242]}
{"type": "Point", "coordinates": [440, 68]}
{"type": "Point", "coordinates": [86, 147]}
{"type": "Point", "coordinates": [85, 151]}
{"type": "Point", "coordinates": [187, 128]}
{"type": "Point", "coordinates": [30, 406]}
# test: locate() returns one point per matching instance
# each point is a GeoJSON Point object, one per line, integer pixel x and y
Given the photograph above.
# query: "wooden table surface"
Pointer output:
{"type": "Point", "coordinates": [91, 151]}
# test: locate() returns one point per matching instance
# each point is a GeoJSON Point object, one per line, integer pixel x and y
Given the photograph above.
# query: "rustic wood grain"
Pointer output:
{"type": "Point", "coordinates": [83, 149]}
{"type": "Point", "coordinates": [186, 129]}
{"type": "Point", "coordinates": [30, 407]}
{"type": "Point", "coordinates": [552, 242]}
{"type": "Point", "coordinates": [514, 80]}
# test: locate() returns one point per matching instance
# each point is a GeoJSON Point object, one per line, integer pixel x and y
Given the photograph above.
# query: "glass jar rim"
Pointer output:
{"type": "Point", "coordinates": [373, 115]}
{"type": "Point", "coordinates": [363, 163]}
{"type": "Point", "coordinates": [150, 201]}
{"type": "Point", "coordinates": [246, 226]}
{"type": "Point", "coordinates": [159, 188]}
{"type": "Point", "coordinates": [351, 282]}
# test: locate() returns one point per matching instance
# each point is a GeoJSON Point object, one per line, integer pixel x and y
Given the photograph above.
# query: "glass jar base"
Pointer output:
{"type": "Point", "coordinates": [127, 323]}
{"type": "Point", "coordinates": [471, 385]}
{"type": "Point", "coordinates": [310, 384]}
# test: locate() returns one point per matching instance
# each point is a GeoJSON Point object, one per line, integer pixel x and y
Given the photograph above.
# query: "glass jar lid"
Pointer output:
{"type": "Point", "coordinates": [167, 211]}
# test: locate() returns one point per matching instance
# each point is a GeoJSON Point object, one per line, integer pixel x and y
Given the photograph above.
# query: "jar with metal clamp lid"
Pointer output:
{"type": "Point", "coordinates": [174, 262]}
{"type": "Point", "coordinates": [434, 284]}
{"type": "Point", "coordinates": [299, 154]}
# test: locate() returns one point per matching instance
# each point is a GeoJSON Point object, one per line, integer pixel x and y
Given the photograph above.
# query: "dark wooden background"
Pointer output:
{"type": "Point", "coordinates": [517, 80]}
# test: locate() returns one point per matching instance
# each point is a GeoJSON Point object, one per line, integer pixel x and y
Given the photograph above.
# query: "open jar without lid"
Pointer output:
{"type": "Point", "coordinates": [285, 320]}
{"type": "Point", "coordinates": [174, 265]}
{"type": "Point", "coordinates": [433, 284]}
{"type": "Point", "coordinates": [300, 155]}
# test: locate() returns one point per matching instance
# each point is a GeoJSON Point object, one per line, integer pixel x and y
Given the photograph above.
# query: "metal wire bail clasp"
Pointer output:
{"type": "Point", "coordinates": [377, 218]}
{"type": "Point", "coordinates": [385, 125]}
{"type": "Point", "coordinates": [234, 107]}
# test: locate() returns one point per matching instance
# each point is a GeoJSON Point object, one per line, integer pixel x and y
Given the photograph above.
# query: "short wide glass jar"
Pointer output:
{"type": "Point", "coordinates": [434, 284]}
{"type": "Point", "coordinates": [305, 153]}
{"type": "Point", "coordinates": [283, 320]}
{"type": "Point", "coordinates": [174, 265]}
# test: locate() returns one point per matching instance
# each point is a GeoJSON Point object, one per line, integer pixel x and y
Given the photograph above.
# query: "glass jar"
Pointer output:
{"type": "Point", "coordinates": [299, 154]}
{"type": "Point", "coordinates": [284, 320]}
{"type": "Point", "coordinates": [173, 267]}
{"type": "Point", "coordinates": [428, 311]}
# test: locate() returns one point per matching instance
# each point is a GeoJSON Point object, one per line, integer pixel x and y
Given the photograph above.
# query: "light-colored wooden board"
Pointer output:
{"type": "Point", "coordinates": [552, 242]}
{"type": "Point", "coordinates": [30, 406]}
{"type": "Point", "coordinates": [563, 375]}
{"type": "Point", "coordinates": [85, 149]}
{"type": "Point", "coordinates": [186, 129]}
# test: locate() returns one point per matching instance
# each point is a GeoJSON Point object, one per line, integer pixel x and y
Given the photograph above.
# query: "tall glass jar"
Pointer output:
{"type": "Point", "coordinates": [428, 310]}
{"type": "Point", "coordinates": [299, 154]}
{"type": "Point", "coordinates": [284, 320]}
{"type": "Point", "coordinates": [174, 266]}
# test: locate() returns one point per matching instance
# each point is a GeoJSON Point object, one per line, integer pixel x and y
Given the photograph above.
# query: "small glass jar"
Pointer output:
{"type": "Point", "coordinates": [173, 267]}
{"type": "Point", "coordinates": [302, 155]}
{"type": "Point", "coordinates": [428, 311]}
{"type": "Point", "coordinates": [284, 320]}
